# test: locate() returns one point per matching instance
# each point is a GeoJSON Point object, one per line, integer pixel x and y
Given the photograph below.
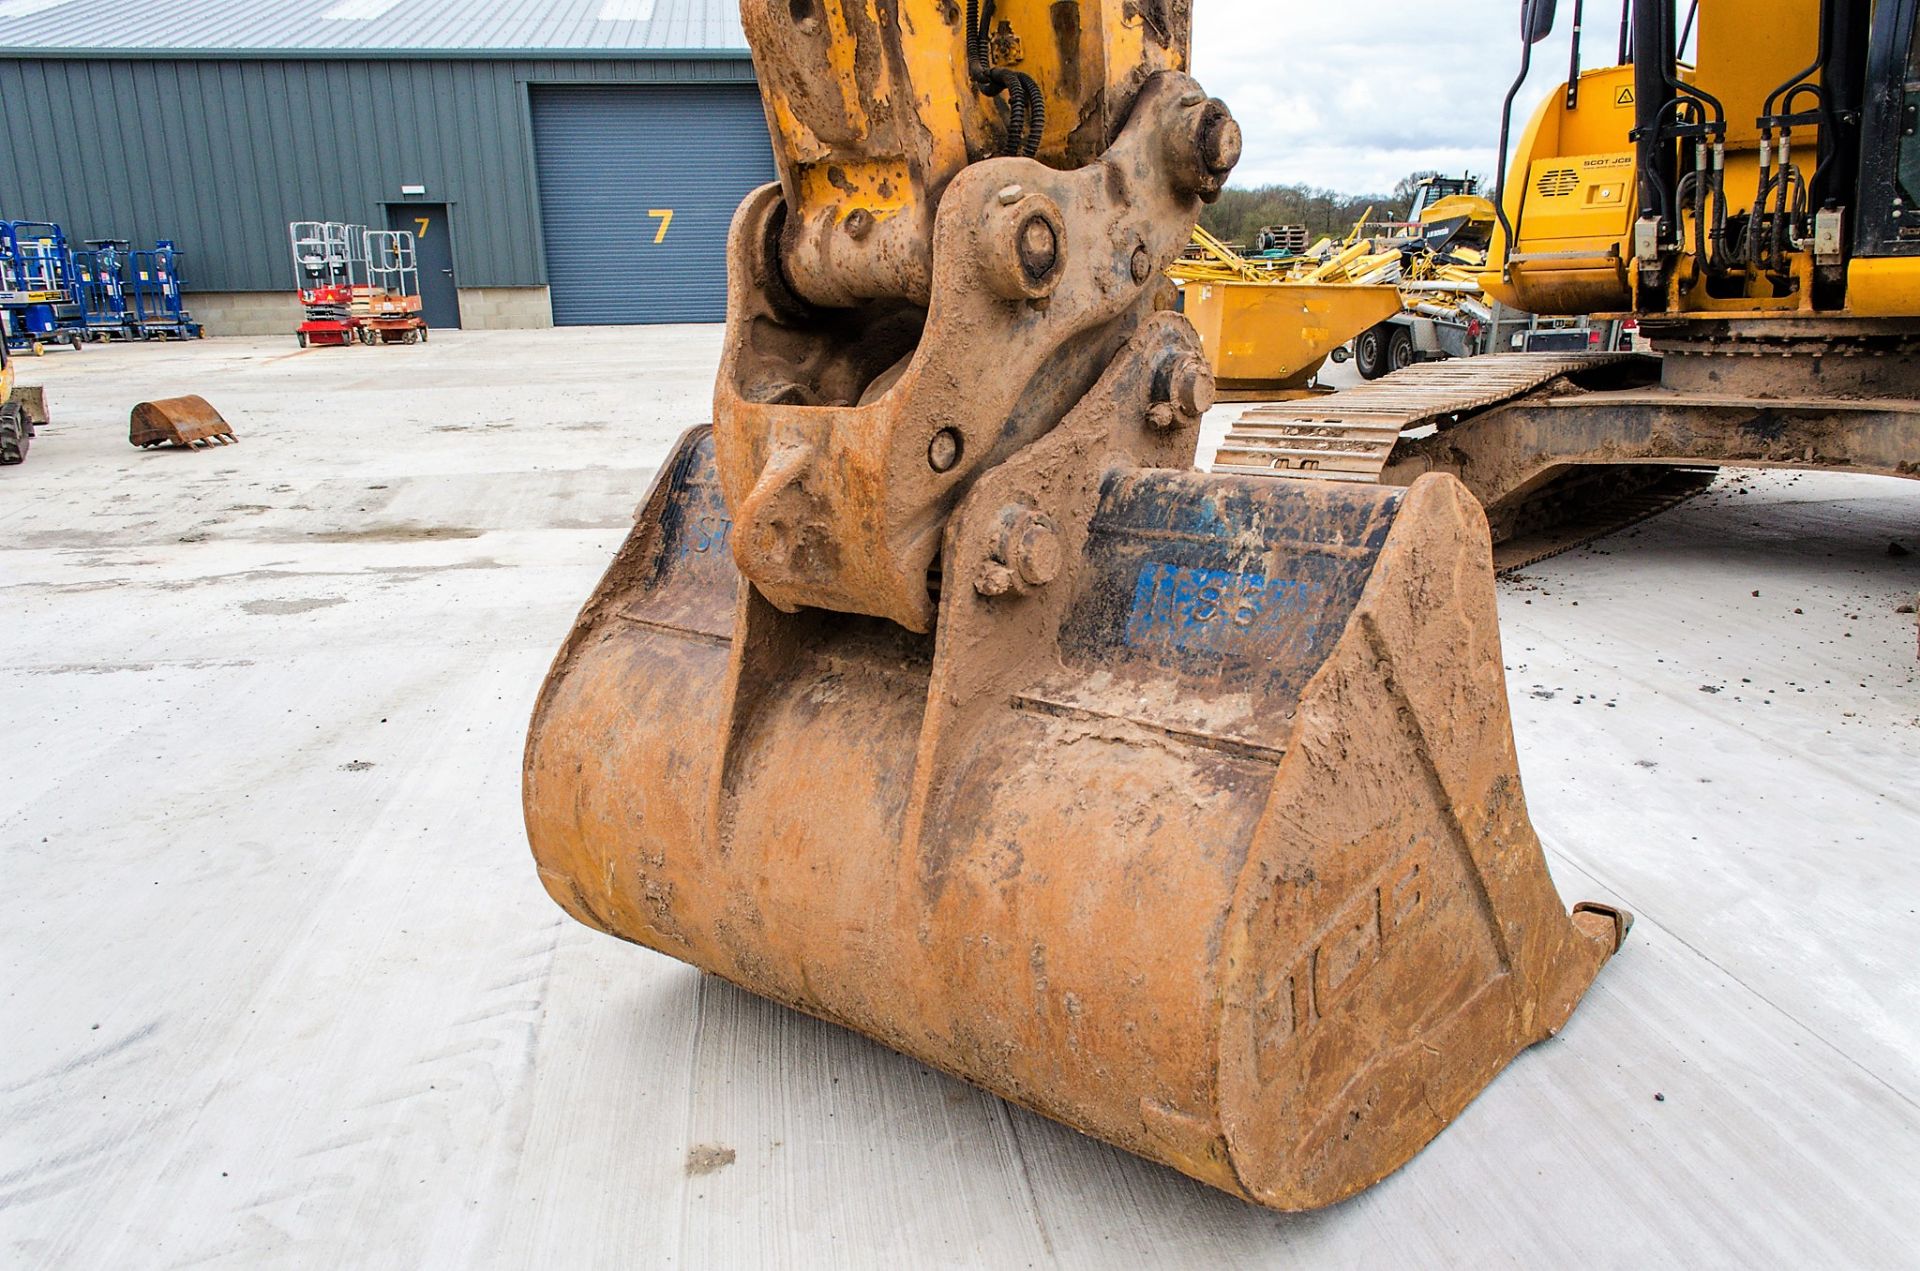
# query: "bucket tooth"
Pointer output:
{"type": "Point", "coordinates": [188, 422]}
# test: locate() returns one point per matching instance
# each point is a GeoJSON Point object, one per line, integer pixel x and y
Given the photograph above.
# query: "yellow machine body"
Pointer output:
{"type": "Point", "coordinates": [1570, 193]}
{"type": "Point", "coordinates": [1883, 288]}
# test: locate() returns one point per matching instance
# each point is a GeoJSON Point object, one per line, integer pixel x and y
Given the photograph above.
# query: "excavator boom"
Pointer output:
{"type": "Point", "coordinates": [935, 694]}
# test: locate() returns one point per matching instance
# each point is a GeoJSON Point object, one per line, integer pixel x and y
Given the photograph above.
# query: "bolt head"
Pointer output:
{"type": "Point", "coordinates": [1191, 388]}
{"type": "Point", "coordinates": [1220, 144]}
{"type": "Point", "coordinates": [994, 579]}
{"type": "Point", "coordinates": [859, 223]}
{"type": "Point", "coordinates": [1021, 245]}
{"type": "Point", "coordinates": [943, 452]}
{"type": "Point", "coordinates": [1036, 550]}
{"type": "Point", "coordinates": [1141, 264]}
{"type": "Point", "coordinates": [1039, 247]}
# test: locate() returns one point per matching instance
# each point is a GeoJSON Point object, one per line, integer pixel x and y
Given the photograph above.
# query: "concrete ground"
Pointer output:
{"type": "Point", "coordinates": [280, 987]}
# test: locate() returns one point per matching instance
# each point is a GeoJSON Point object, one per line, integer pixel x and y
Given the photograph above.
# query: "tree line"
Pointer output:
{"type": "Point", "coordinates": [1238, 212]}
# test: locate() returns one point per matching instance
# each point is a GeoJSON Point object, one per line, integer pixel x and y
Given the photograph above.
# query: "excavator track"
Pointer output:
{"type": "Point", "coordinates": [1591, 505]}
{"type": "Point", "coordinates": [1349, 435]}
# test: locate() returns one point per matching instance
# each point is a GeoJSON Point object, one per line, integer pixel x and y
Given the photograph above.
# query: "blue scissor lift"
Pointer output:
{"type": "Point", "coordinates": [36, 287]}
{"type": "Point", "coordinates": [158, 310]}
{"type": "Point", "coordinates": [100, 287]}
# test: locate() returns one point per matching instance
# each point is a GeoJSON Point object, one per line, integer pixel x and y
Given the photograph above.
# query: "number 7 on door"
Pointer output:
{"type": "Point", "coordinates": [665, 216]}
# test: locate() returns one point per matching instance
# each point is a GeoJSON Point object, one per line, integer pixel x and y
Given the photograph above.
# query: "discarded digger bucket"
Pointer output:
{"type": "Point", "coordinates": [1194, 824]}
{"type": "Point", "coordinates": [178, 421]}
{"type": "Point", "coordinates": [33, 404]}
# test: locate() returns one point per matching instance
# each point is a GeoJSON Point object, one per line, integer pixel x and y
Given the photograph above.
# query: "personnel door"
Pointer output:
{"type": "Point", "coordinates": [433, 248]}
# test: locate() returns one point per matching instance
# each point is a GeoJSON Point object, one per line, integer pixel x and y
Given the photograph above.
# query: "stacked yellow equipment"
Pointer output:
{"type": "Point", "coordinates": [1269, 324]}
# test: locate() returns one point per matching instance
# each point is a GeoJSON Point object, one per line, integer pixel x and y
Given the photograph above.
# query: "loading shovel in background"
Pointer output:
{"type": "Point", "coordinates": [184, 423]}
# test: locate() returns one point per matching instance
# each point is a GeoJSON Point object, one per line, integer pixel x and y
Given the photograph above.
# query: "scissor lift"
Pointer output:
{"type": "Point", "coordinates": [389, 305]}
{"type": "Point", "coordinates": [36, 287]}
{"type": "Point", "coordinates": [158, 309]}
{"type": "Point", "coordinates": [325, 271]}
{"type": "Point", "coordinates": [100, 287]}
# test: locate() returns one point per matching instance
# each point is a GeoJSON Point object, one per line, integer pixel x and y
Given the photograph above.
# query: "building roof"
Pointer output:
{"type": "Point", "coordinates": [371, 28]}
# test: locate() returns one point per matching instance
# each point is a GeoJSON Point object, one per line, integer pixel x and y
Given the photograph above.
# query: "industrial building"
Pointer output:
{"type": "Point", "coordinates": [574, 162]}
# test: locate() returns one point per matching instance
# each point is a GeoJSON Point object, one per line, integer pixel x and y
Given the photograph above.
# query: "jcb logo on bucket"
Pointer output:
{"type": "Point", "coordinates": [1344, 951]}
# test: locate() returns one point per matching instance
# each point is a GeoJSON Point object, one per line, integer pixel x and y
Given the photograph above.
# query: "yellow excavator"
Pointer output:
{"type": "Point", "coordinates": [936, 694]}
{"type": "Point", "coordinates": [23, 410]}
{"type": "Point", "coordinates": [1756, 212]}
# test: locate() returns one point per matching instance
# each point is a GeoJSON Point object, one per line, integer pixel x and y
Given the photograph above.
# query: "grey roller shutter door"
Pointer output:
{"type": "Point", "coordinates": [610, 159]}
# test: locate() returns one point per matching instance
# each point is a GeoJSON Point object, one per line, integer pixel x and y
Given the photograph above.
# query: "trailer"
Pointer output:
{"type": "Point", "coordinates": [1469, 326]}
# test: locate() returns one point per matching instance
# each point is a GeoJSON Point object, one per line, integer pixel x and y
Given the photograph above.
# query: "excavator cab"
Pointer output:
{"type": "Point", "coordinates": [936, 694]}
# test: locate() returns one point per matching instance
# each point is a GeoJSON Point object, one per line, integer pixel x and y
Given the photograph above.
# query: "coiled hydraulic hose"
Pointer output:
{"type": "Point", "coordinates": [1026, 107]}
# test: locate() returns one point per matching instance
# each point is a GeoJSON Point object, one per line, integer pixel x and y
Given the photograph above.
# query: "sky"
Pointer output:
{"type": "Point", "coordinates": [1354, 96]}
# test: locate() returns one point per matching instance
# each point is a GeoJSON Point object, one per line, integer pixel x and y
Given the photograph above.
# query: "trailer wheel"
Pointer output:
{"type": "Point", "coordinates": [1370, 351]}
{"type": "Point", "coordinates": [1399, 350]}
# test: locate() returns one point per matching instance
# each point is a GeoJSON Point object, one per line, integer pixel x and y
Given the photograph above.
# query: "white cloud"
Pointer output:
{"type": "Point", "coordinates": [1353, 97]}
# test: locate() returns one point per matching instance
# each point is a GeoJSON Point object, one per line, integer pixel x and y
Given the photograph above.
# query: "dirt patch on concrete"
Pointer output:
{"type": "Point", "coordinates": [396, 534]}
{"type": "Point", "coordinates": [705, 1158]}
{"type": "Point", "coordinates": [305, 604]}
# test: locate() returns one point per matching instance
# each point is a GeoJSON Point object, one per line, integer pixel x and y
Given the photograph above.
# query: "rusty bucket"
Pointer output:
{"type": "Point", "coordinates": [32, 401]}
{"type": "Point", "coordinates": [186, 422]}
{"type": "Point", "coordinates": [1195, 824]}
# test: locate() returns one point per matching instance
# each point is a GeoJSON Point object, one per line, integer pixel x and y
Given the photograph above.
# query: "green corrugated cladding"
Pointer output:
{"type": "Point", "coordinates": [219, 155]}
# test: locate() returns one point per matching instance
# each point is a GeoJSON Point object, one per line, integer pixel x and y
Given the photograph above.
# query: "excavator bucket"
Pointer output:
{"type": "Point", "coordinates": [32, 400]}
{"type": "Point", "coordinates": [185, 422]}
{"type": "Point", "coordinates": [1193, 824]}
